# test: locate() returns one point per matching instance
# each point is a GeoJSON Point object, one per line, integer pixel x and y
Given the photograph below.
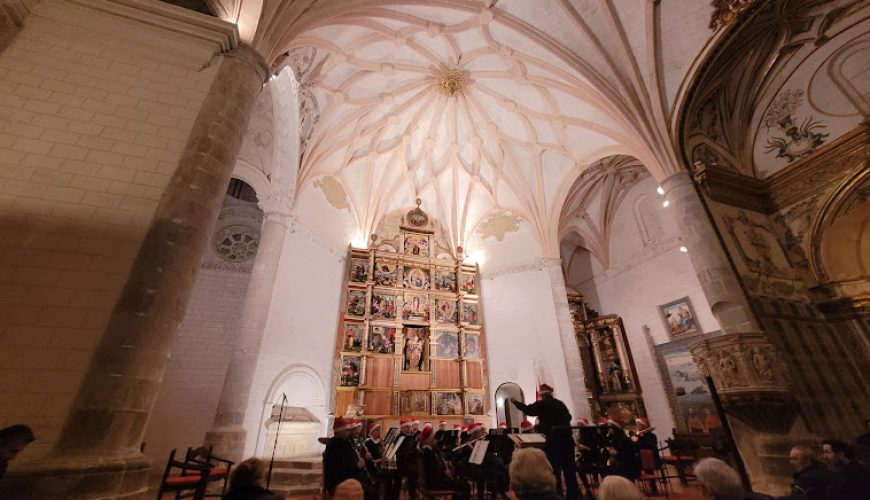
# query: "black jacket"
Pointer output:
{"type": "Point", "coordinates": [340, 462]}
{"type": "Point", "coordinates": [812, 483]}
{"type": "Point", "coordinates": [550, 412]}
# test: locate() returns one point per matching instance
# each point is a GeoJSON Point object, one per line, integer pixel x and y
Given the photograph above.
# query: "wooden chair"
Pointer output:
{"type": "Point", "coordinates": [679, 459]}
{"type": "Point", "coordinates": [189, 482]}
{"type": "Point", "coordinates": [652, 473]}
{"type": "Point", "coordinates": [220, 467]}
{"type": "Point", "coordinates": [423, 486]}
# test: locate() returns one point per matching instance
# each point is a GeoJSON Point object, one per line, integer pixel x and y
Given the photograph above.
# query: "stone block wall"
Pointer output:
{"type": "Point", "coordinates": [90, 132]}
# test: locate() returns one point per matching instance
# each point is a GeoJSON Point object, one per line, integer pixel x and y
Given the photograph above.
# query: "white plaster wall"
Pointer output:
{"type": "Point", "coordinates": [648, 270]}
{"type": "Point", "coordinates": [301, 328]}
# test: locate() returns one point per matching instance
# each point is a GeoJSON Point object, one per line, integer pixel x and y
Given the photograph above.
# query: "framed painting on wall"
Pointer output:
{"type": "Point", "coordinates": [445, 310]}
{"type": "Point", "coordinates": [679, 318]}
{"type": "Point", "coordinates": [350, 370]}
{"type": "Point", "coordinates": [416, 245]}
{"type": "Point", "coordinates": [414, 402]}
{"type": "Point", "coordinates": [415, 351]}
{"type": "Point", "coordinates": [415, 307]}
{"type": "Point", "coordinates": [448, 403]}
{"type": "Point", "coordinates": [415, 278]}
{"type": "Point", "coordinates": [382, 339]}
{"type": "Point", "coordinates": [474, 404]}
{"type": "Point", "coordinates": [687, 391]}
{"type": "Point", "coordinates": [468, 283]}
{"type": "Point", "coordinates": [470, 314]}
{"type": "Point", "coordinates": [445, 280]}
{"type": "Point", "coordinates": [472, 346]}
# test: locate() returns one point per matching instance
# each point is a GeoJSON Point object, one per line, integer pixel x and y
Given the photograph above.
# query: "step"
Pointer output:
{"type": "Point", "coordinates": [307, 462]}
{"type": "Point", "coordinates": [295, 491]}
{"type": "Point", "coordinates": [295, 477]}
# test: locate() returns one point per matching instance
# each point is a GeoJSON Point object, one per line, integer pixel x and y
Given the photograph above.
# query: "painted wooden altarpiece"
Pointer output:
{"type": "Point", "coordinates": [411, 337]}
{"type": "Point", "coordinates": [611, 378]}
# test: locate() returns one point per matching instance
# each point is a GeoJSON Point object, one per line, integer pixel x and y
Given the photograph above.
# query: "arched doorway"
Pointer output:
{"type": "Point", "coordinates": [296, 399]}
{"type": "Point", "coordinates": [504, 410]}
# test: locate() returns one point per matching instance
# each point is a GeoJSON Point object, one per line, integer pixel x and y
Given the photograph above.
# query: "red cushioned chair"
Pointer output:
{"type": "Point", "coordinates": [679, 460]}
{"type": "Point", "coordinates": [189, 481]}
{"type": "Point", "coordinates": [423, 486]}
{"type": "Point", "coordinates": [220, 467]}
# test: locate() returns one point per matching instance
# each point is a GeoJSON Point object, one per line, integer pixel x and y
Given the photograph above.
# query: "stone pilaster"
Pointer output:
{"type": "Point", "coordinates": [718, 279]}
{"type": "Point", "coordinates": [97, 455]}
{"type": "Point", "coordinates": [573, 363]}
{"type": "Point", "coordinates": [228, 434]}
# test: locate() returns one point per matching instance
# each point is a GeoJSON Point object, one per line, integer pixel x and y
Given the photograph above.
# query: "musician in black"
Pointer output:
{"type": "Point", "coordinates": [342, 461]}
{"type": "Point", "coordinates": [624, 456]}
{"type": "Point", "coordinates": [436, 471]}
{"type": "Point", "coordinates": [646, 438]}
{"type": "Point", "coordinates": [406, 462]}
{"type": "Point", "coordinates": [554, 422]}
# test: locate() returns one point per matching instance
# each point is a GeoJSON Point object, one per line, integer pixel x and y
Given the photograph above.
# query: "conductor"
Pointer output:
{"type": "Point", "coordinates": [554, 422]}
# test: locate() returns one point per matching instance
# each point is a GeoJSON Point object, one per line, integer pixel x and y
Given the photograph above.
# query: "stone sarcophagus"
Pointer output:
{"type": "Point", "coordinates": [750, 378]}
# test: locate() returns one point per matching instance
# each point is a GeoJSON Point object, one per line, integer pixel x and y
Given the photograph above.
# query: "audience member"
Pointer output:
{"type": "Point", "coordinates": [851, 479]}
{"type": "Point", "coordinates": [718, 480]}
{"type": "Point", "coordinates": [246, 482]}
{"type": "Point", "coordinates": [13, 439]}
{"type": "Point", "coordinates": [862, 445]}
{"type": "Point", "coordinates": [532, 475]}
{"type": "Point", "coordinates": [619, 488]}
{"type": "Point", "coordinates": [812, 480]}
{"type": "Point", "coordinates": [350, 489]}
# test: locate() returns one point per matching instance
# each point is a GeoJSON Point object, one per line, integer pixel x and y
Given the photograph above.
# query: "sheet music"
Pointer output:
{"type": "Point", "coordinates": [391, 453]}
{"type": "Point", "coordinates": [479, 452]}
{"type": "Point", "coordinates": [532, 438]}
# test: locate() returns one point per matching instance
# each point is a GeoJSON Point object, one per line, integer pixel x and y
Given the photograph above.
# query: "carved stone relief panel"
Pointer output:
{"type": "Point", "coordinates": [236, 237]}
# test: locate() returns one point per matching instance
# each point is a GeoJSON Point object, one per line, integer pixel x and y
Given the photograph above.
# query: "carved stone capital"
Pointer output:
{"type": "Point", "coordinates": [277, 204]}
{"type": "Point", "coordinates": [752, 381]}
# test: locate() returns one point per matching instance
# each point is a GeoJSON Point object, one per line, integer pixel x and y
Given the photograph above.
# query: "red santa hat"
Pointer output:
{"type": "Point", "coordinates": [602, 421]}
{"type": "Point", "coordinates": [502, 425]}
{"type": "Point", "coordinates": [425, 433]}
{"type": "Point", "coordinates": [526, 426]}
{"type": "Point", "coordinates": [341, 424]}
{"type": "Point", "coordinates": [614, 423]}
{"type": "Point", "coordinates": [583, 421]}
{"type": "Point", "coordinates": [643, 421]}
{"type": "Point", "coordinates": [474, 426]}
{"type": "Point", "coordinates": [545, 389]}
{"type": "Point", "coordinates": [442, 425]}
{"type": "Point", "coordinates": [356, 424]}
{"type": "Point", "coordinates": [415, 422]}
{"type": "Point", "coordinates": [457, 427]}
{"type": "Point", "coordinates": [374, 426]}
{"type": "Point", "coordinates": [427, 425]}
{"type": "Point", "coordinates": [405, 422]}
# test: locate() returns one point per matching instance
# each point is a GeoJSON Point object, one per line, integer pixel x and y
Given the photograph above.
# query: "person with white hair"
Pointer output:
{"type": "Point", "coordinates": [718, 480]}
{"type": "Point", "coordinates": [619, 488]}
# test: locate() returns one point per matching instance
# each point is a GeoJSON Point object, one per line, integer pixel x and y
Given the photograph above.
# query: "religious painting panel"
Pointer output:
{"type": "Point", "coordinates": [356, 302]}
{"type": "Point", "coordinates": [415, 352]}
{"type": "Point", "coordinates": [359, 270]}
{"type": "Point", "coordinates": [350, 371]}
{"type": "Point", "coordinates": [416, 278]}
{"type": "Point", "coordinates": [386, 272]}
{"type": "Point", "coordinates": [445, 280]}
{"type": "Point", "coordinates": [415, 307]}
{"type": "Point", "coordinates": [687, 391]}
{"type": "Point", "coordinates": [380, 371]}
{"type": "Point", "coordinates": [378, 403]}
{"type": "Point", "coordinates": [473, 375]}
{"type": "Point", "coordinates": [609, 358]}
{"type": "Point", "coordinates": [383, 305]}
{"type": "Point", "coordinates": [415, 403]}
{"type": "Point", "coordinates": [353, 336]}
{"type": "Point", "coordinates": [446, 344]}
{"type": "Point", "coordinates": [445, 310]}
{"type": "Point", "coordinates": [382, 339]}
{"type": "Point", "coordinates": [471, 349]}
{"type": "Point", "coordinates": [468, 282]}
{"type": "Point", "coordinates": [447, 373]}
{"type": "Point", "coordinates": [448, 403]}
{"type": "Point", "coordinates": [470, 313]}
{"type": "Point", "coordinates": [679, 318]}
{"type": "Point", "coordinates": [416, 245]}
{"type": "Point", "coordinates": [474, 403]}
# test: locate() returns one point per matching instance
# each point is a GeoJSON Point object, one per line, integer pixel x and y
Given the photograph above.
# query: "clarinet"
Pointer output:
{"type": "Point", "coordinates": [361, 452]}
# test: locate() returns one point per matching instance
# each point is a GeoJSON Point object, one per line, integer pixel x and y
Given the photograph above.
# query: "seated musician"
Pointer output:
{"type": "Point", "coordinates": [437, 474]}
{"type": "Point", "coordinates": [341, 460]}
{"type": "Point", "coordinates": [645, 437]}
{"type": "Point", "coordinates": [492, 469]}
{"type": "Point", "coordinates": [624, 457]}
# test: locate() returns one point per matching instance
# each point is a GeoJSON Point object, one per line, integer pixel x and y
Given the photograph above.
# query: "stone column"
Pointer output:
{"type": "Point", "coordinates": [97, 455]}
{"type": "Point", "coordinates": [228, 434]}
{"type": "Point", "coordinates": [573, 363]}
{"type": "Point", "coordinates": [718, 279]}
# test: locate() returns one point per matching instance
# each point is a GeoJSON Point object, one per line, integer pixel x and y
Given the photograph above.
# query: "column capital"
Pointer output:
{"type": "Point", "coordinates": [248, 55]}
{"type": "Point", "coordinates": [277, 205]}
{"type": "Point", "coordinates": [676, 180]}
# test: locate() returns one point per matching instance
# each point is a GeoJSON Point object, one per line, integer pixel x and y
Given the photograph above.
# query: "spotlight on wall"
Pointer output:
{"type": "Point", "coordinates": [500, 402]}
{"type": "Point", "coordinates": [684, 249]}
{"type": "Point", "coordinates": [666, 203]}
{"type": "Point", "coordinates": [475, 257]}
{"type": "Point", "coordinates": [660, 191]}
{"type": "Point", "coordinates": [360, 242]}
